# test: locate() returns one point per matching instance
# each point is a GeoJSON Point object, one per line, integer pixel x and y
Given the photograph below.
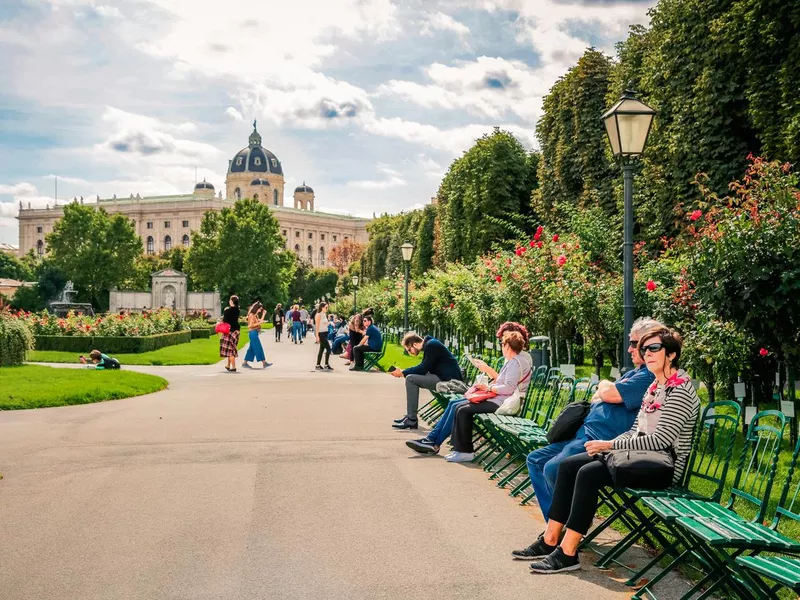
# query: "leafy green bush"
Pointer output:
{"type": "Point", "coordinates": [15, 340]}
{"type": "Point", "coordinates": [201, 334]}
{"type": "Point", "coordinates": [112, 344]}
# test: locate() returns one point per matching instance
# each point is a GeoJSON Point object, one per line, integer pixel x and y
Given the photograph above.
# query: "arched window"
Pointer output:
{"type": "Point", "coordinates": [322, 257]}
{"type": "Point", "coordinates": [258, 161]}
{"type": "Point", "coordinates": [297, 248]}
{"type": "Point", "coordinates": [185, 241]}
{"type": "Point", "coordinates": [237, 193]}
{"type": "Point", "coordinates": [40, 248]}
{"type": "Point", "coordinates": [150, 245]}
{"type": "Point", "coordinates": [310, 254]}
{"type": "Point", "coordinates": [275, 197]}
{"type": "Point", "coordinates": [255, 197]}
{"type": "Point", "coordinates": [167, 243]}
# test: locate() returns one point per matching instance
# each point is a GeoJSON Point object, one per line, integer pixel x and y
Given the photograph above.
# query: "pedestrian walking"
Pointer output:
{"type": "Point", "coordinates": [229, 342]}
{"type": "Point", "coordinates": [277, 321]}
{"type": "Point", "coordinates": [321, 333]}
{"type": "Point", "coordinates": [303, 320]}
{"type": "Point", "coordinates": [255, 351]}
{"type": "Point", "coordinates": [297, 325]}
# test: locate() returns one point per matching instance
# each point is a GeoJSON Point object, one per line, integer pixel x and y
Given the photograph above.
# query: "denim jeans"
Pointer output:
{"type": "Point", "coordinates": [297, 330]}
{"type": "Point", "coordinates": [543, 468]}
{"type": "Point", "coordinates": [445, 425]}
{"type": "Point", "coordinates": [255, 350]}
{"type": "Point", "coordinates": [338, 341]}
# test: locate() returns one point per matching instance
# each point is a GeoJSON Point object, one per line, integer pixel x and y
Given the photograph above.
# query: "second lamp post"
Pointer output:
{"type": "Point", "coordinates": [407, 250]}
{"type": "Point", "coordinates": [355, 293]}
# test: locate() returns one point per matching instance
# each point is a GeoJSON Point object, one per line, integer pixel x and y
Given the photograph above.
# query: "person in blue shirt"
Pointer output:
{"type": "Point", "coordinates": [614, 408]}
{"type": "Point", "coordinates": [371, 342]}
{"type": "Point", "coordinates": [438, 364]}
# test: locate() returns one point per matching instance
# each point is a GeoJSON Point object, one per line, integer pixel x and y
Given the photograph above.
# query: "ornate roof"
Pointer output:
{"type": "Point", "coordinates": [304, 188]}
{"type": "Point", "coordinates": [259, 181]}
{"type": "Point", "coordinates": [255, 158]}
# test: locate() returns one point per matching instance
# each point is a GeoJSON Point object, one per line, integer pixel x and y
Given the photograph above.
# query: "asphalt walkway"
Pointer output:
{"type": "Point", "coordinates": [284, 483]}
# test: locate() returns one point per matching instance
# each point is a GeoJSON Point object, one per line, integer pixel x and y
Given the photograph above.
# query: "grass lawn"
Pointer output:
{"type": "Point", "coordinates": [196, 352]}
{"type": "Point", "coordinates": [35, 386]}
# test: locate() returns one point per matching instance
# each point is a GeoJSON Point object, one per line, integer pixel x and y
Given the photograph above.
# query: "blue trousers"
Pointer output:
{"type": "Point", "coordinates": [255, 351]}
{"type": "Point", "coordinates": [543, 468]}
{"type": "Point", "coordinates": [338, 341]}
{"type": "Point", "coordinates": [444, 427]}
{"type": "Point", "coordinates": [297, 330]}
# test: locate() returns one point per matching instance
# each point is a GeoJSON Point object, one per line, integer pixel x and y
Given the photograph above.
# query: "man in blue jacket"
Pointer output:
{"type": "Point", "coordinates": [438, 364]}
{"type": "Point", "coordinates": [614, 408]}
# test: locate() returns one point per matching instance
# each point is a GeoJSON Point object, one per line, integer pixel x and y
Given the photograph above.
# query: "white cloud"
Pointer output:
{"type": "Point", "coordinates": [234, 114]}
{"type": "Point", "coordinates": [391, 179]}
{"type": "Point", "coordinates": [487, 86]}
{"type": "Point", "coordinates": [439, 21]}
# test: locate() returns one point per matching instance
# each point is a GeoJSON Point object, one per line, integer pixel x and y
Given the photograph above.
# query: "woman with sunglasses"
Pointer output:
{"type": "Point", "coordinates": [666, 421]}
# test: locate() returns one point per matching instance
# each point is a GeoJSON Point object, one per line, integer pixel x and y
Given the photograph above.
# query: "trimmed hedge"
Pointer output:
{"type": "Point", "coordinates": [202, 334]}
{"type": "Point", "coordinates": [112, 345]}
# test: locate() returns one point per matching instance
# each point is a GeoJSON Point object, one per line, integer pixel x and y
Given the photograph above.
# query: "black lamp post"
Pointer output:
{"type": "Point", "coordinates": [407, 250]}
{"type": "Point", "coordinates": [355, 293]}
{"type": "Point", "coordinates": [628, 124]}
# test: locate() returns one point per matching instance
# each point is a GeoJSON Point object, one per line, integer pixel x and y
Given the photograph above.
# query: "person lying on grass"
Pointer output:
{"type": "Point", "coordinates": [99, 361]}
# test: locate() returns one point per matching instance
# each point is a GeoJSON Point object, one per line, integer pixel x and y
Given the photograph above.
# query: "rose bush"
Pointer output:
{"type": "Point", "coordinates": [141, 324]}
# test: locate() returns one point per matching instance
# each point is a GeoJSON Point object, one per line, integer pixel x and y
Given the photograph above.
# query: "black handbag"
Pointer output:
{"type": "Point", "coordinates": [568, 422]}
{"type": "Point", "coordinates": [645, 469]}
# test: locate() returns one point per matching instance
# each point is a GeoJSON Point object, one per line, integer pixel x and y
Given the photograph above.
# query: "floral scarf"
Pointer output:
{"type": "Point", "coordinates": [655, 399]}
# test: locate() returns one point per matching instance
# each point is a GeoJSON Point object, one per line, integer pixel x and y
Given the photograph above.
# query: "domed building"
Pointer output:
{"type": "Point", "coordinates": [164, 222]}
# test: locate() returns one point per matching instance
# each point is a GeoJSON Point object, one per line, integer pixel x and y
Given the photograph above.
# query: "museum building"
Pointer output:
{"type": "Point", "coordinates": [166, 221]}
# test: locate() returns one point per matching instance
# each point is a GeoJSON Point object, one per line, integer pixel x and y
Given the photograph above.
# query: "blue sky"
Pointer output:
{"type": "Point", "coordinates": [368, 101]}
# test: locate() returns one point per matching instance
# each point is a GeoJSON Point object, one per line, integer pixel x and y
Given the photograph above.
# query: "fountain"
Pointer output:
{"type": "Point", "coordinates": [63, 305]}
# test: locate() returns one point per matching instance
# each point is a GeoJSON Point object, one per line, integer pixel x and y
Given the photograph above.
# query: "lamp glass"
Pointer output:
{"type": "Point", "coordinates": [355, 279]}
{"type": "Point", "coordinates": [627, 125]}
{"type": "Point", "coordinates": [613, 133]}
{"type": "Point", "coordinates": [407, 250]}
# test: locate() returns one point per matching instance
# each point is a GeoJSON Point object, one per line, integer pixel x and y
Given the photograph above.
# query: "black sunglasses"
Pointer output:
{"type": "Point", "coordinates": [633, 343]}
{"type": "Point", "coordinates": [652, 348]}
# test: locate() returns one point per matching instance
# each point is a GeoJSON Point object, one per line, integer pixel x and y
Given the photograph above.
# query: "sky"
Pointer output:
{"type": "Point", "coordinates": [367, 101]}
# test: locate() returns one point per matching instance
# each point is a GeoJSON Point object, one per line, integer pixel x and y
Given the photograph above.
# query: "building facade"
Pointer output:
{"type": "Point", "coordinates": [164, 222]}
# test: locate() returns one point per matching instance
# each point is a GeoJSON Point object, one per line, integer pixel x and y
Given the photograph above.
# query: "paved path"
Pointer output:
{"type": "Point", "coordinates": [278, 484]}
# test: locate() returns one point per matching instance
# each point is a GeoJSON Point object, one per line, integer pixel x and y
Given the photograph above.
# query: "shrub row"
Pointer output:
{"type": "Point", "coordinates": [112, 345]}
{"type": "Point", "coordinates": [202, 334]}
{"type": "Point", "coordinates": [15, 340]}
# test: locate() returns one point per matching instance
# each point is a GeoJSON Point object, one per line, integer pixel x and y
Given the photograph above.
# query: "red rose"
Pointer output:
{"type": "Point", "coordinates": [696, 215]}
{"type": "Point", "coordinates": [539, 230]}
{"type": "Point", "coordinates": [561, 260]}
{"type": "Point", "coordinates": [452, 305]}
{"type": "Point", "coordinates": [508, 261]}
{"type": "Point", "coordinates": [498, 279]}
{"type": "Point", "coordinates": [763, 352]}
{"type": "Point", "coordinates": [539, 245]}
{"type": "Point", "coordinates": [651, 285]}
{"type": "Point", "coordinates": [532, 243]}
{"type": "Point", "coordinates": [555, 238]}
{"type": "Point", "coordinates": [520, 251]}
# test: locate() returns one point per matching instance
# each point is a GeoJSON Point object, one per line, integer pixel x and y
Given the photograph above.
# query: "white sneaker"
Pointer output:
{"type": "Point", "coordinates": [460, 457]}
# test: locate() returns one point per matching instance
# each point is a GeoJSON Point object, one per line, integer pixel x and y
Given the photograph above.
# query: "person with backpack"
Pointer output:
{"type": "Point", "coordinates": [100, 361]}
{"type": "Point", "coordinates": [278, 319]}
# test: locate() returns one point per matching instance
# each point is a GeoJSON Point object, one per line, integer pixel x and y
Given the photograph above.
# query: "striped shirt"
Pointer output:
{"type": "Point", "coordinates": [666, 420]}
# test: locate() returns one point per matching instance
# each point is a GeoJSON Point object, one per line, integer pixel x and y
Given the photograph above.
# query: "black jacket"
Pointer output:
{"type": "Point", "coordinates": [437, 360]}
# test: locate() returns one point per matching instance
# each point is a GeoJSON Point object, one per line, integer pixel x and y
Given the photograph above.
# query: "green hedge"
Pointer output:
{"type": "Point", "coordinates": [202, 334]}
{"type": "Point", "coordinates": [112, 345]}
{"type": "Point", "coordinates": [15, 340]}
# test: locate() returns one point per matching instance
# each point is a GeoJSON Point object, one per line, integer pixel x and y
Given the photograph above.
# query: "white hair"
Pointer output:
{"type": "Point", "coordinates": [642, 324]}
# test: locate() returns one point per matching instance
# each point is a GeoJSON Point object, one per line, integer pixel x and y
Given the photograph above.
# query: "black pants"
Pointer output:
{"type": "Point", "coordinates": [575, 496]}
{"type": "Point", "coordinates": [358, 355]}
{"type": "Point", "coordinates": [462, 427]}
{"type": "Point", "coordinates": [324, 346]}
{"type": "Point", "coordinates": [278, 330]}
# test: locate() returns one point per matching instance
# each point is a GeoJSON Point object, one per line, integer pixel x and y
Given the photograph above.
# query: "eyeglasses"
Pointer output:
{"type": "Point", "coordinates": [652, 348]}
{"type": "Point", "coordinates": [633, 343]}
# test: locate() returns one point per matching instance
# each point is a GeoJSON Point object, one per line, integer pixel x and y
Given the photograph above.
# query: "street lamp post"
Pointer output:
{"type": "Point", "coordinates": [355, 292]}
{"type": "Point", "coordinates": [627, 125]}
{"type": "Point", "coordinates": [407, 250]}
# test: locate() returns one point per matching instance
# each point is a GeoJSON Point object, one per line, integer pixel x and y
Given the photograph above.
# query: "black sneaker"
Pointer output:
{"type": "Point", "coordinates": [557, 562]}
{"type": "Point", "coordinates": [328, 368]}
{"type": "Point", "coordinates": [406, 424]}
{"type": "Point", "coordinates": [318, 368]}
{"type": "Point", "coordinates": [538, 549]}
{"type": "Point", "coordinates": [400, 420]}
{"type": "Point", "coordinates": [422, 447]}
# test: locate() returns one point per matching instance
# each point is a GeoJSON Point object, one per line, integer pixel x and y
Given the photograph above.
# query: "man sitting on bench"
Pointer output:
{"type": "Point", "coordinates": [438, 364]}
{"type": "Point", "coordinates": [371, 342]}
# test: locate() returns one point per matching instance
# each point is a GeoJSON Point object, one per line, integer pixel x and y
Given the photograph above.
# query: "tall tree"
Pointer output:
{"type": "Point", "coordinates": [491, 181]}
{"type": "Point", "coordinates": [240, 250]}
{"type": "Point", "coordinates": [95, 251]}
{"type": "Point", "coordinates": [345, 253]}
{"type": "Point", "coordinates": [13, 268]}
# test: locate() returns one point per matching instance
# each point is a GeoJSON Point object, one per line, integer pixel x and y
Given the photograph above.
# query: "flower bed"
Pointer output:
{"type": "Point", "coordinates": [112, 344]}
{"type": "Point", "coordinates": [142, 324]}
